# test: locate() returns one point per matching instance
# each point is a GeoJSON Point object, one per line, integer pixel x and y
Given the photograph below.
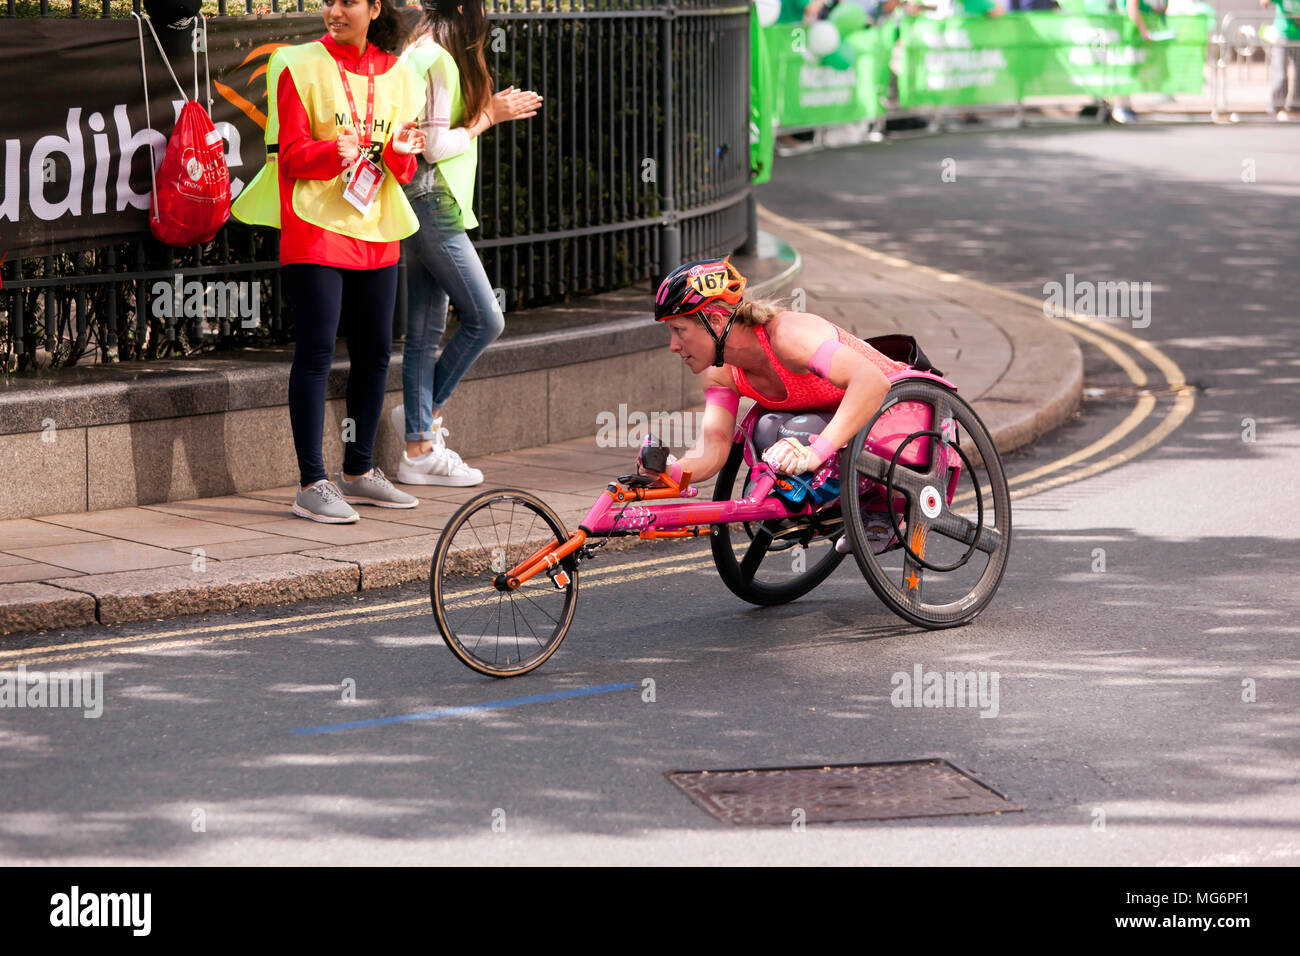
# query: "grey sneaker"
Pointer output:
{"type": "Point", "coordinates": [375, 489]}
{"type": "Point", "coordinates": [322, 502]}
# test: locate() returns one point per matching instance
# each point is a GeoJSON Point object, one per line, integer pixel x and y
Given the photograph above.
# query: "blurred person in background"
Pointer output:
{"type": "Point", "coordinates": [1138, 11]}
{"type": "Point", "coordinates": [1286, 49]}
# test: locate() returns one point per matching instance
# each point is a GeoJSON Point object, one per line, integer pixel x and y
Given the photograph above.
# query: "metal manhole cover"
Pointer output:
{"type": "Point", "coordinates": [880, 791]}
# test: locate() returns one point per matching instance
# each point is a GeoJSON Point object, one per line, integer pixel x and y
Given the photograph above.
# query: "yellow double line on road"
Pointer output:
{"type": "Point", "coordinates": [1110, 341]}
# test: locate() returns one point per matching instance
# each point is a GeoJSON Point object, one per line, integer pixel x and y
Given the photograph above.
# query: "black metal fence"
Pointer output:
{"type": "Point", "coordinates": [638, 160]}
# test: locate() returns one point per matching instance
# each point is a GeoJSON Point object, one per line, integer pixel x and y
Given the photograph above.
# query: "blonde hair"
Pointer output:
{"type": "Point", "coordinates": [749, 312]}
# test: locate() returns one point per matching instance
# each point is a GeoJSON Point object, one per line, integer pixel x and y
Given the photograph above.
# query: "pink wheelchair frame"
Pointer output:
{"type": "Point", "coordinates": [619, 510]}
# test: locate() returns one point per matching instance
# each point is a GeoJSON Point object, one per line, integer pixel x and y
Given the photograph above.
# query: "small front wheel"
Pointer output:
{"type": "Point", "coordinates": [501, 633]}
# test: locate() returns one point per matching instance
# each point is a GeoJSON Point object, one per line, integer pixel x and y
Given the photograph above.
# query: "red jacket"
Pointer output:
{"type": "Point", "coordinates": [301, 157]}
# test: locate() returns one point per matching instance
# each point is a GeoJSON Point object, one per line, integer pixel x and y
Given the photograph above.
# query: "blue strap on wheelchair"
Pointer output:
{"type": "Point", "coordinates": [795, 488]}
{"type": "Point", "coordinates": [792, 488]}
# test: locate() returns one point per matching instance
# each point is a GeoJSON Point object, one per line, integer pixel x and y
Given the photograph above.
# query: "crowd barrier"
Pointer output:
{"type": "Point", "coordinates": [1237, 41]}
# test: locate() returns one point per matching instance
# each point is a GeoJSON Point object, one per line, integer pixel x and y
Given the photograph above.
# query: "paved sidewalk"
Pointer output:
{"type": "Point", "coordinates": [1023, 375]}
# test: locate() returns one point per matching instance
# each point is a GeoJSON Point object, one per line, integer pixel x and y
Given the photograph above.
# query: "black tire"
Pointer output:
{"type": "Point", "coordinates": [926, 578]}
{"type": "Point", "coordinates": [778, 574]}
{"type": "Point", "coordinates": [489, 534]}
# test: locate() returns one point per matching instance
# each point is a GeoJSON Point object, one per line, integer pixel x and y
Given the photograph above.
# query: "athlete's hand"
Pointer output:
{"type": "Point", "coordinates": [643, 470]}
{"type": "Point", "coordinates": [349, 145]}
{"type": "Point", "coordinates": [790, 457]}
{"type": "Point", "coordinates": [408, 139]}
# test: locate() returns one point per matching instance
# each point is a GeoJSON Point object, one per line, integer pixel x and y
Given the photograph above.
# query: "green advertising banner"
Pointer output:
{"type": "Point", "coordinates": [968, 60]}
{"type": "Point", "coordinates": [962, 61]}
{"type": "Point", "coordinates": [809, 92]}
{"type": "Point", "coordinates": [762, 111]}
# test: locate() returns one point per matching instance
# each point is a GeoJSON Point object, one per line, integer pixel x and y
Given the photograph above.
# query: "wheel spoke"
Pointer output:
{"type": "Point", "coordinates": [872, 465]}
{"type": "Point", "coordinates": [913, 579]}
{"type": "Point", "coordinates": [470, 524]}
{"type": "Point", "coordinates": [905, 479]}
{"type": "Point", "coordinates": [523, 618]}
{"type": "Point", "coordinates": [960, 529]}
{"type": "Point", "coordinates": [756, 552]}
{"type": "Point", "coordinates": [536, 605]}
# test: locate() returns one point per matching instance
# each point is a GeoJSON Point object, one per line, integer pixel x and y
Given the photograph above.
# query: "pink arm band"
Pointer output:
{"type": "Point", "coordinates": [723, 397]}
{"type": "Point", "coordinates": [675, 472]}
{"type": "Point", "coordinates": [820, 363]}
{"type": "Point", "coordinates": [823, 448]}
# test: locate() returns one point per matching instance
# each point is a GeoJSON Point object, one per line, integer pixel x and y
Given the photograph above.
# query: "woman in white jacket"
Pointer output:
{"type": "Point", "coordinates": [447, 50]}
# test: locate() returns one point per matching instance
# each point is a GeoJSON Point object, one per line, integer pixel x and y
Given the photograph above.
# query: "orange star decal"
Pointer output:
{"type": "Point", "coordinates": [912, 581]}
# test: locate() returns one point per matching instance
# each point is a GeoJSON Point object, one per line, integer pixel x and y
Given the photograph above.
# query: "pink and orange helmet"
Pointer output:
{"type": "Point", "coordinates": [695, 285]}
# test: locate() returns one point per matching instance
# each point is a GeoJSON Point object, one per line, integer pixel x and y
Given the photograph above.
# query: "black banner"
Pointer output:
{"type": "Point", "coordinates": [74, 141]}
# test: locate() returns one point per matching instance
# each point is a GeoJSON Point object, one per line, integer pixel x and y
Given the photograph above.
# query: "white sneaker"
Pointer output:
{"type": "Point", "coordinates": [439, 466]}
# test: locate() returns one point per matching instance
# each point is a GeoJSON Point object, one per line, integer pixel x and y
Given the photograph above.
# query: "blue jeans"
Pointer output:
{"type": "Point", "coordinates": [1277, 77]}
{"type": "Point", "coordinates": [441, 264]}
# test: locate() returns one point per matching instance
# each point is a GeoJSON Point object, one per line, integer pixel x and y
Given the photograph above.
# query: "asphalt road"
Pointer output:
{"type": "Point", "coordinates": [1123, 732]}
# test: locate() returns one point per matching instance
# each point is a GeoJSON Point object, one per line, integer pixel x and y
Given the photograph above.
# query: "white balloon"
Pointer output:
{"type": "Point", "coordinates": [768, 11]}
{"type": "Point", "coordinates": [823, 38]}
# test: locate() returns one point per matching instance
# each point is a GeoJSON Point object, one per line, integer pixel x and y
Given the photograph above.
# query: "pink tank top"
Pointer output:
{"type": "Point", "coordinates": [807, 392]}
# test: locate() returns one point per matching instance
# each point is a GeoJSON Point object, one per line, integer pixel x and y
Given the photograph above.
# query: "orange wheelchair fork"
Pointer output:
{"type": "Point", "coordinates": [548, 556]}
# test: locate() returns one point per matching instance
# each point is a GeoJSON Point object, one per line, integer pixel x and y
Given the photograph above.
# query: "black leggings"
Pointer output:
{"type": "Point", "coordinates": [319, 296]}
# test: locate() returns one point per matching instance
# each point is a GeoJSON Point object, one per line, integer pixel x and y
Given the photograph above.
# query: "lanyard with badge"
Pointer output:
{"type": "Point", "coordinates": [361, 182]}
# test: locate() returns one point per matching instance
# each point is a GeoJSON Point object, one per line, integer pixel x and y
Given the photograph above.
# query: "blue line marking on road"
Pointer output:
{"type": "Point", "coordinates": [467, 709]}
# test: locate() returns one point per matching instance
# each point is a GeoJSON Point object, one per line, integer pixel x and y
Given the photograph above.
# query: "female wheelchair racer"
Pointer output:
{"type": "Point", "coordinates": [785, 361]}
{"type": "Point", "coordinates": [851, 447]}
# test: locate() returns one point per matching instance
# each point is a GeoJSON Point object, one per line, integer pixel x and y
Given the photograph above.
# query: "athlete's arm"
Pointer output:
{"type": "Point", "coordinates": [807, 343]}
{"type": "Point", "coordinates": [710, 451]}
{"type": "Point", "coordinates": [709, 454]}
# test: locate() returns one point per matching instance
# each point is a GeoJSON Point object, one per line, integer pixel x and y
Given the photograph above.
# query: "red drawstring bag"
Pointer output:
{"type": "Point", "coordinates": [191, 189]}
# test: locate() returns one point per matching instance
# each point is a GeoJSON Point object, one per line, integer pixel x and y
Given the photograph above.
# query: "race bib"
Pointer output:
{"type": "Point", "coordinates": [709, 283]}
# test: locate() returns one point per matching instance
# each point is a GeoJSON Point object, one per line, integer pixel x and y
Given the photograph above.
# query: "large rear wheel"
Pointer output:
{"type": "Point", "coordinates": [950, 505]}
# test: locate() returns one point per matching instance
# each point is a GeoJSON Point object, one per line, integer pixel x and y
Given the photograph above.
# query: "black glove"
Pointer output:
{"type": "Point", "coordinates": [653, 458]}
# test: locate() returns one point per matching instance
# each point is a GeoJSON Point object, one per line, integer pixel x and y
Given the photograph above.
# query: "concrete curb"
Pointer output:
{"type": "Point", "coordinates": [125, 596]}
{"type": "Point", "coordinates": [1042, 387]}
{"type": "Point", "coordinates": [40, 607]}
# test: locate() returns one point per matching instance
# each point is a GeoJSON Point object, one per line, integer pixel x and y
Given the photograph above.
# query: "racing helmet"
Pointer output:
{"type": "Point", "coordinates": [694, 286]}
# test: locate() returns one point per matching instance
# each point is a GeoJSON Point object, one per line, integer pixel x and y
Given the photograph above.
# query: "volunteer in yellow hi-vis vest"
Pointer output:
{"type": "Point", "coordinates": [447, 53]}
{"type": "Point", "coordinates": [341, 139]}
